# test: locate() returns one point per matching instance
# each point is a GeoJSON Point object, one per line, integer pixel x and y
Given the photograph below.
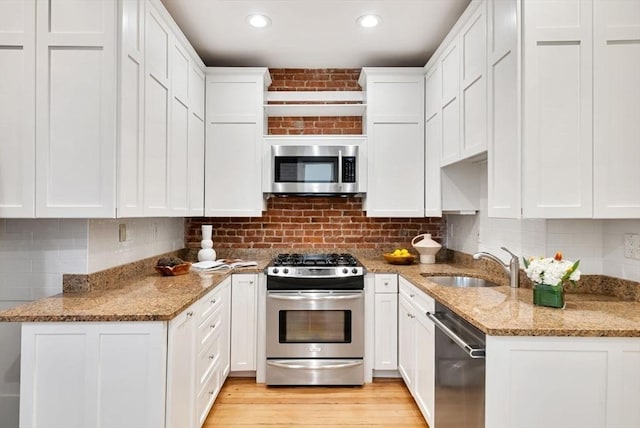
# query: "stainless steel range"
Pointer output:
{"type": "Point", "coordinates": [315, 320]}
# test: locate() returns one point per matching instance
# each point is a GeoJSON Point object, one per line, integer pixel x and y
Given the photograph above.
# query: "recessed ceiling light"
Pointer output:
{"type": "Point", "coordinates": [258, 21]}
{"type": "Point", "coordinates": [369, 21]}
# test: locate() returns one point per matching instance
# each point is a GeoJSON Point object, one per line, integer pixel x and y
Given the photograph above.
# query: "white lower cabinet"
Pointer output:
{"type": "Point", "coordinates": [416, 346]}
{"type": "Point", "coordinates": [244, 321]}
{"type": "Point", "coordinates": [385, 341]}
{"type": "Point", "coordinates": [79, 375]}
{"type": "Point", "coordinates": [549, 382]}
{"type": "Point", "coordinates": [127, 374]}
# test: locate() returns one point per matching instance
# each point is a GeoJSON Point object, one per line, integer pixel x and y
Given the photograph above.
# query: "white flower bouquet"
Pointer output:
{"type": "Point", "coordinates": [549, 275]}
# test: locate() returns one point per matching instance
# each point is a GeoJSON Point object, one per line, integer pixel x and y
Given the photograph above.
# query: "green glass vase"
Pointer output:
{"type": "Point", "coordinates": [548, 295]}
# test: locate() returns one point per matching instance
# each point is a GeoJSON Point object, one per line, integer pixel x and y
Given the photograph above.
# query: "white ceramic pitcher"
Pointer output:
{"type": "Point", "coordinates": [426, 247]}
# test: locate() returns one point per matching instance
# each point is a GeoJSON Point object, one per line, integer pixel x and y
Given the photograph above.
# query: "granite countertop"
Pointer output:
{"type": "Point", "coordinates": [506, 311]}
{"type": "Point", "coordinates": [149, 297]}
{"type": "Point", "coordinates": [499, 311]}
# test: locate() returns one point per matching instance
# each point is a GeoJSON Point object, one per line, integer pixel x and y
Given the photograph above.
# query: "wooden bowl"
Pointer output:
{"type": "Point", "coordinates": [174, 270]}
{"type": "Point", "coordinates": [399, 260]}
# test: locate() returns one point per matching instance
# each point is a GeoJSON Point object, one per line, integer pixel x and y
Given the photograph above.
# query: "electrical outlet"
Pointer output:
{"type": "Point", "coordinates": [122, 232]}
{"type": "Point", "coordinates": [632, 246]}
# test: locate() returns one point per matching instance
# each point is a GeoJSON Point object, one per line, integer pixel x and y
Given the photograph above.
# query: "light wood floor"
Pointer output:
{"type": "Point", "coordinates": [384, 403]}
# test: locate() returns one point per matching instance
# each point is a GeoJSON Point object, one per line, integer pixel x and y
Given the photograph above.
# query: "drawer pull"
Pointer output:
{"type": "Point", "coordinates": [386, 283]}
{"type": "Point", "coordinates": [250, 282]}
{"type": "Point", "coordinates": [213, 302]}
{"type": "Point", "coordinates": [190, 314]}
{"type": "Point", "coordinates": [212, 326]}
{"type": "Point", "coordinates": [412, 295]}
{"type": "Point", "coordinates": [211, 392]}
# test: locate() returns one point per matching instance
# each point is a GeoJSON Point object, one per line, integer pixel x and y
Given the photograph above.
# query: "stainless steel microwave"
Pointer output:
{"type": "Point", "coordinates": [314, 170]}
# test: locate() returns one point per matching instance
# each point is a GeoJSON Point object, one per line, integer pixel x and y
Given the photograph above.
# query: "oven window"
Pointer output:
{"type": "Point", "coordinates": [315, 326]}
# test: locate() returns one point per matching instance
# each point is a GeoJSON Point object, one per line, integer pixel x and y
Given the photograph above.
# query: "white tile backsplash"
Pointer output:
{"type": "Point", "coordinates": [146, 237]}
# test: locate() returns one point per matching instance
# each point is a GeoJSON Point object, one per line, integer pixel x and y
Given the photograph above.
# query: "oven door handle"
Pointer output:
{"type": "Point", "coordinates": [315, 367]}
{"type": "Point", "coordinates": [302, 297]}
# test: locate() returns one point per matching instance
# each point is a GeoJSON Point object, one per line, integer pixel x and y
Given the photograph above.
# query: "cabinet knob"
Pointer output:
{"type": "Point", "coordinates": [412, 295]}
{"type": "Point", "coordinates": [213, 302]}
{"type": "Point", "coordinates": [386, 283]}
{"type": "Point", "coordinates": [212, 356]}
{"type": "Point", "coordinates": [212, 326]}
{"type": "Point", "coordinates": [190, 314]}
{"type": "Point", "coordinates": [251, 282]}
{"type": "Point", "coordinates": [210, 392]}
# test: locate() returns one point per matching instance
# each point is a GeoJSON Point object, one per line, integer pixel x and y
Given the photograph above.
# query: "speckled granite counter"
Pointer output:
{"type": "Point", "coordinates": [503, 311]}
{"type": "Point", "coordinates": [146, 298]}
{"type": "Point", "coordinates": [500, 311]}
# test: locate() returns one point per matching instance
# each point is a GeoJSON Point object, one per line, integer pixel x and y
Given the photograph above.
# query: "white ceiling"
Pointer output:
{"type": "Point", "coordinates": [315, 33]}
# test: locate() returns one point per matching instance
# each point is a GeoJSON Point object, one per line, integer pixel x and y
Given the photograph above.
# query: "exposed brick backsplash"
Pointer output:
{"type": "Point", "coordinates": [320, 222]}
{"type": "Point", "coordinates": [315, 125]}
{"type": "Point", "coordinates": [311, 79]}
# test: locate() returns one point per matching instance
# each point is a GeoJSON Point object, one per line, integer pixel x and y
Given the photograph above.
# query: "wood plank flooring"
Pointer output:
{"type": "Point", "coordinates": [384, 403]}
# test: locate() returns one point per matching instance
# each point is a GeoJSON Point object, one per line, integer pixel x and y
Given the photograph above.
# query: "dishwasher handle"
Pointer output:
{"type": "Point", "coordinates": [473, 350]}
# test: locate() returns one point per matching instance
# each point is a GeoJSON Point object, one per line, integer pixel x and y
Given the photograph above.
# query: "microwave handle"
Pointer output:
{"type": "Point", "coordinates": [340, 170]}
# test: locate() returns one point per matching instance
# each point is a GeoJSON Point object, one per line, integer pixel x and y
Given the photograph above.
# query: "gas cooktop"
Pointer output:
{"type": "Point", "coordinates": [315, 265]}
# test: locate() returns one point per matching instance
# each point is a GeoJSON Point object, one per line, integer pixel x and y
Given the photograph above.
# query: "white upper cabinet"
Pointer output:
{"type": "Point", "coordinates": [131, 127]}
{"type": "Point", "coordinates": [75, 106]}
{"type": "Point", "coordinates": [450, 103]}
{"type": "Point", "coordinates": [395, 130]}
{"type": "Point", "coordinates": [473, 84]}
{"type": "Point", "coordinates": [161, 171]}
{"type": "Point", "coordinates": [235, 124]}
{"type": "Point", "coordinates": [557, 127]}
{"type": "Point", "coordinates": [433, 141]}
{"type": "Point", "coordinates": [616, 122]}
{"type": "Point", "coordinates": [17, 108]}
{"type": "Point", "coordinates": [503, 110]}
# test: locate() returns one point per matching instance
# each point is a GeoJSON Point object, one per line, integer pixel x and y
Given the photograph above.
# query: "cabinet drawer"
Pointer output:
{"type": "Point", "coordinates": [418, 298]}
{"type": "Point", "coordinates": [208, 358]}
{"type": "Point", "coordinates": [210, 303]}
{"type": "Point", "coordinates": [210, 328]}
{"type": "Point", "coordinates": [208, 394]}
{"type": "Point", "coordinates": [386, 283]}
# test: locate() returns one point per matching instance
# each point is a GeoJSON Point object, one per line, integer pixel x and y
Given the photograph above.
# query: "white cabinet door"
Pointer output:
{"type": "Point", "coordinates": [616, 122]}
{"type": "Point", "coordinates": [244, 321]}
{"type": "Point", "coordinates": [450, 104]}
{"type": "Point", "coordinates": [473, 84]}
{"type": "Point", "coordinates": [395, 130]}
{"type": "Point", "coordinates": [234, 130]}
{"type": "Point", "coordinates": [406, 341]}
{"type": "Point", "coordinates": [17, 108]}
{"type": "Point", "coordinates": [181, 374]}
{"type": "Point", "coordinates": [503, 154]}
{"type": "Point", "coordinates": [178, 161]}
{"type": "Point", "coordinates": [424, 387]}
{"type": "Point", "coordinates": [386, 331]}
{"type": "Point", "coordinates": [131, 102]}
{"type": "Point", "coordinates": [72, 374]}
{"type": "Point", "coordinates": [433, 142]}
{"type": "Point", "coordinates": [75, 107]}
{"type": "Point", "coordinates": [597, 378]}
{"type": "Point", "coordinates": [196, 141]}
{"type": "Point", "coordinates": [557, 123]}
{"type": "Point", "coordinates": [156, 112]}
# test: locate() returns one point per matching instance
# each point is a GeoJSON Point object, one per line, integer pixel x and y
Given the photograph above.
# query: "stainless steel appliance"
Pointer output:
{"type": "Point", "coordinates": [459, 370]}
{"type": "Point", "coordinates": [315, 320]}
{"type": "Point", "coordinates": [314, 170]}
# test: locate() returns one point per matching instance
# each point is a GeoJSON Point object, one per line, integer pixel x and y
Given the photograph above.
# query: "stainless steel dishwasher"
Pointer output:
{"type": "Point", "coordinates": [459, 371]}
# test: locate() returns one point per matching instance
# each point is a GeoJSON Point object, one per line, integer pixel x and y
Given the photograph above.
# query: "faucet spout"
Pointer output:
{"type": "Point", "coordinates": [512, 269]}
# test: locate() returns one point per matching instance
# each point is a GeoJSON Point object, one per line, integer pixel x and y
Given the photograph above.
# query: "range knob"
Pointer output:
{"type": "Point", "coordinates": [354, 271]}
{"type": "Point", "coordinates": [285, 270]}
{"type": "Point", "coordinates": [345, 271]}
{"type": "Point", "coordinates": [275, 270]}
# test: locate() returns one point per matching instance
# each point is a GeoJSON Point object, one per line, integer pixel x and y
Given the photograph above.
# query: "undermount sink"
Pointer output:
{"type": "Point", "coordinates": [460, 281]}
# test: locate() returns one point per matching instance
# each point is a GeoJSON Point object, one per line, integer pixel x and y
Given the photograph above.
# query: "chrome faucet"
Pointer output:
{"type": "Point", "coordinates": [512, 269]}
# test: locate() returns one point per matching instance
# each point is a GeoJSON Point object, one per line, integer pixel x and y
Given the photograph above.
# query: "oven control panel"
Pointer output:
{"type": "Point", "coordinates": [315, 272]}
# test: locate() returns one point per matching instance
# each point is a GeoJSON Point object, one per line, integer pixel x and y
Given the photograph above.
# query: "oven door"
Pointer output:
{"type": "Point", "coordinates": [315, 324]}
